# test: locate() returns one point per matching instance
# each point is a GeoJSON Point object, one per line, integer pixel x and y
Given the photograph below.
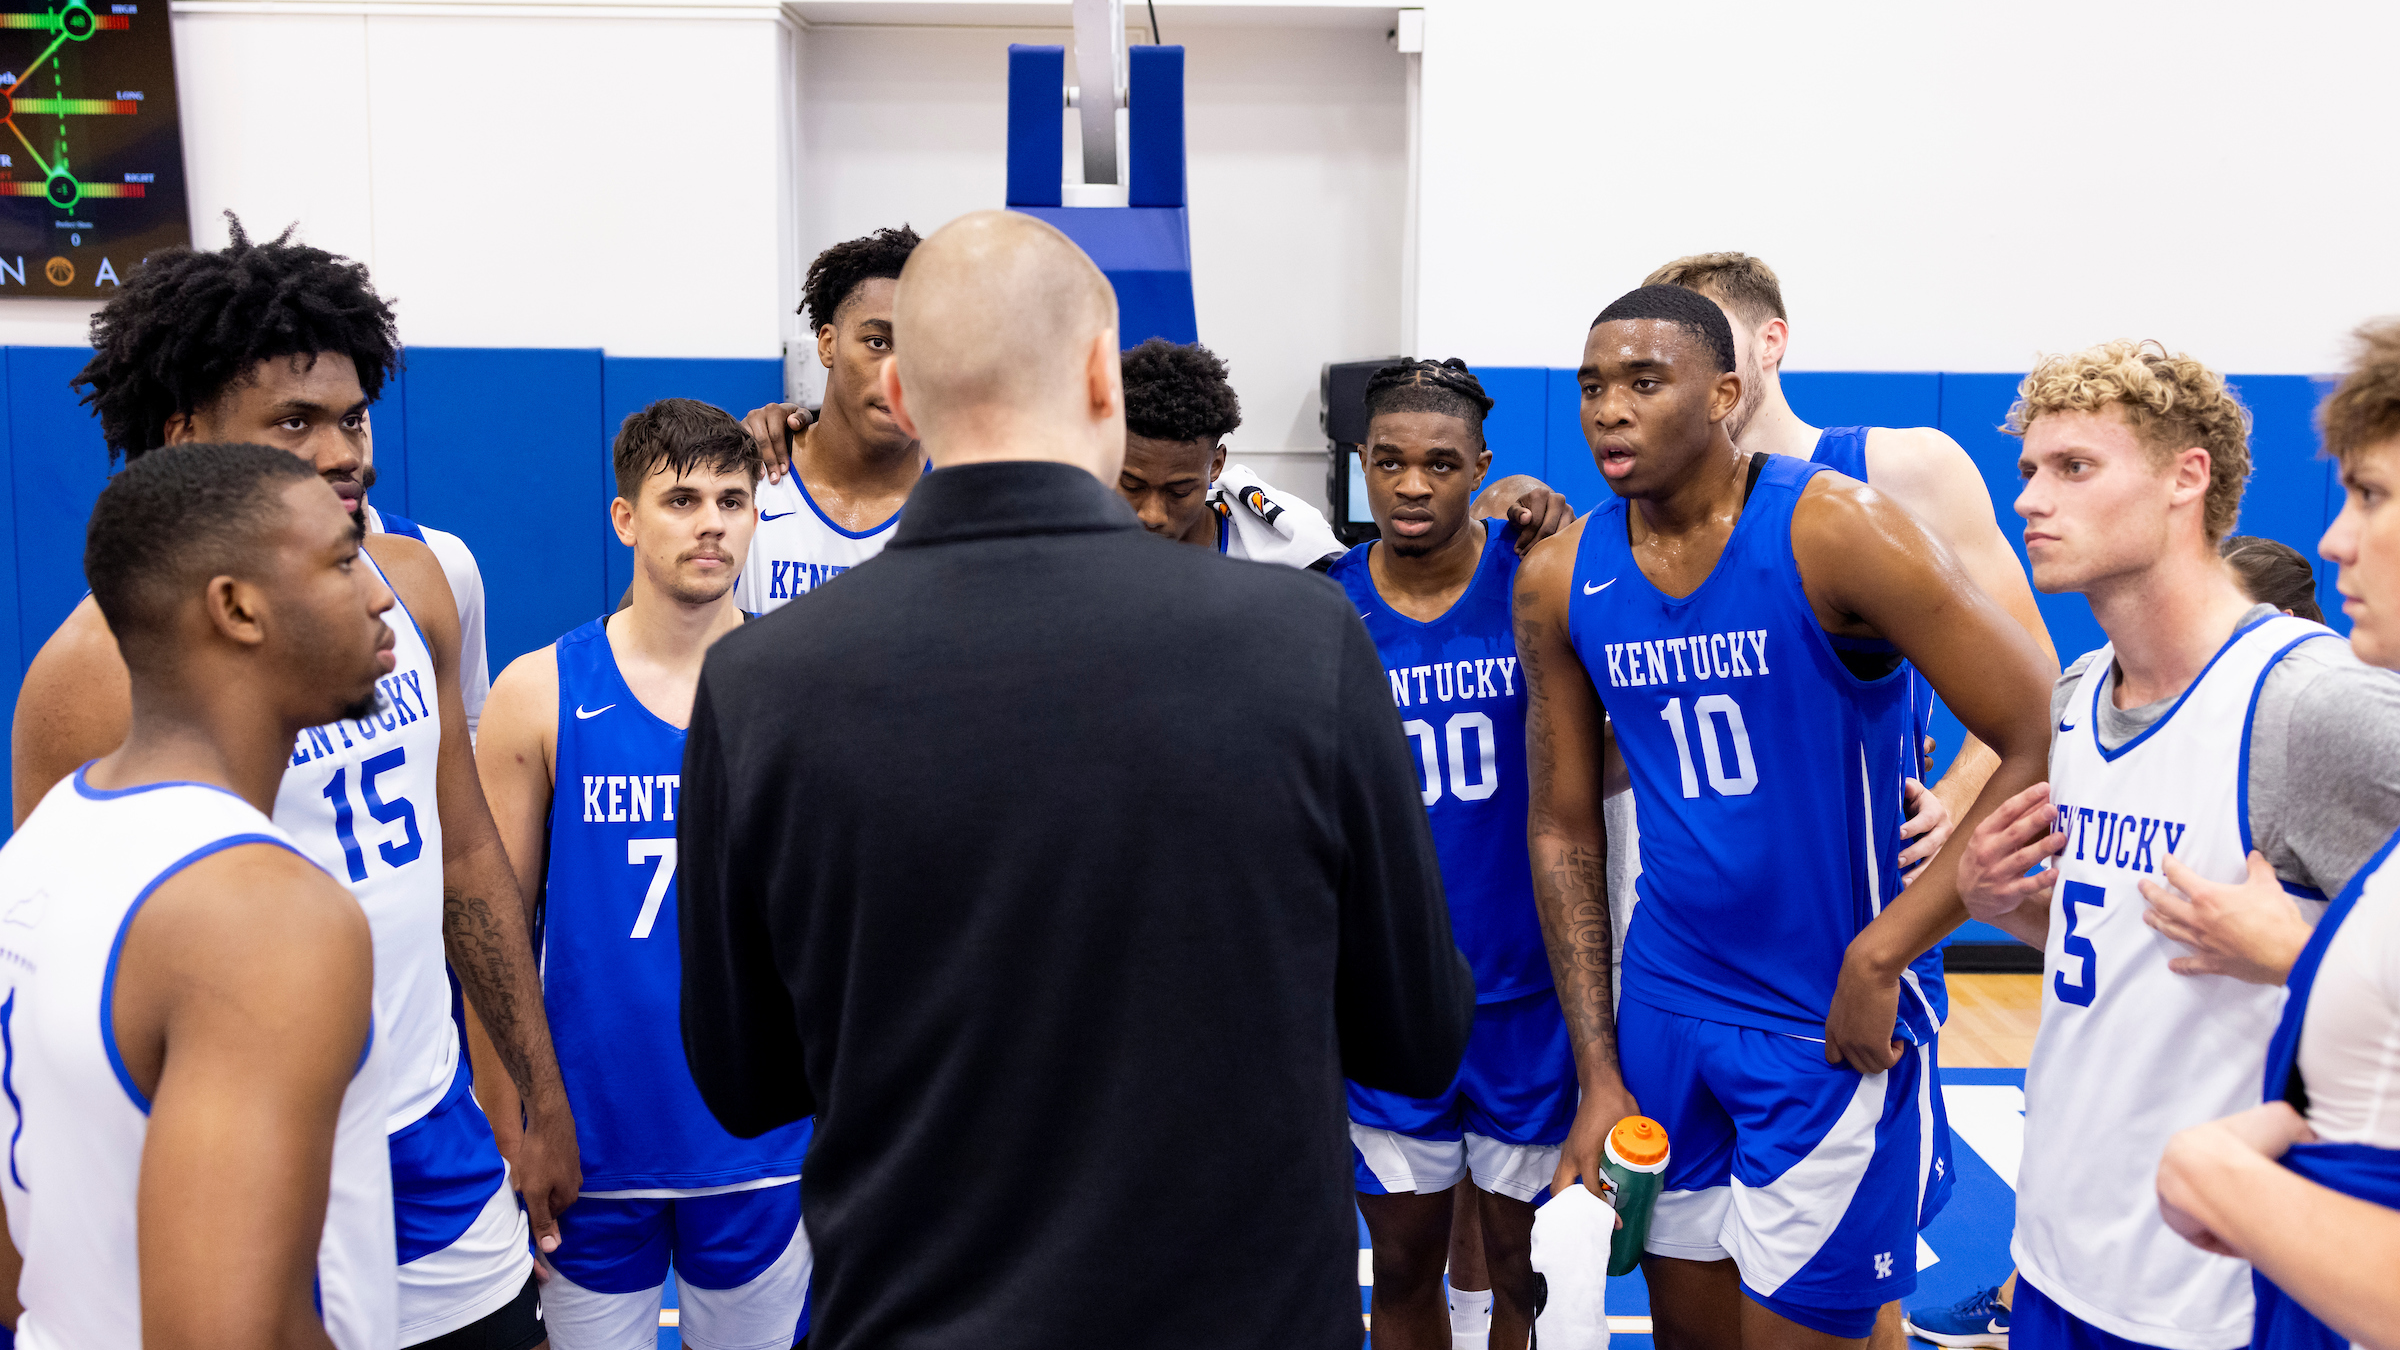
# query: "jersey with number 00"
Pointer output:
{"type": "Point", "coordinates": [360, 798]}
{"type": "Point", "coordinates": [798, 548]}
{"type": "Point", "coordinates": [71, 882]}
{"type": "Point", "coordinates": [1462, 703]}
{"type": "Point", "coordinates": [2129, 1052]}
{"type": "Point", "coordinates": [1766, 774]}
{"type": "Point", "coordinates": [612, 969]}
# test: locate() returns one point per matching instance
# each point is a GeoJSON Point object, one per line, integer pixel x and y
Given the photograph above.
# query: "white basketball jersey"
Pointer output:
{"type": "Point", "coordinates": [798, 547]}
{"type": "Point", "coordinates": [360, 798]}
{"type": "Point", "coordinates": [70, 883]}
{"type": "Point", "coordinates": [2130, 1052]}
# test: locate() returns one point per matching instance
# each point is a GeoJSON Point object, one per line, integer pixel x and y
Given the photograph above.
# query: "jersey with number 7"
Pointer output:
{"type": "Point", "coordinates": [612, 973]}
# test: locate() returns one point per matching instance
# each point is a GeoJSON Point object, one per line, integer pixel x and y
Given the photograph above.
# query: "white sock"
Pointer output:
{"type": "Point", "coordinates": [1470, 1310]}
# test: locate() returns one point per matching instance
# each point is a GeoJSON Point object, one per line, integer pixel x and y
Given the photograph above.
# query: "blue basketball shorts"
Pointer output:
{"type": "Point", "coordinates": [741, 1261]}
{"type": "Point", "coordinates": [2036, 1322]}
{"type": "Point", "coordinates": [1501, 1121]}
{"type": "Point", "coordinates": [1812, 1178]}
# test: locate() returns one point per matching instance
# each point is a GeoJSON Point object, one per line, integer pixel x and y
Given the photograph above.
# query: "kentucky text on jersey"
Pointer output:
{"type": "Point", "coordinates": [403, 703]}
{"type": "Point", "coordinates": [1454, 680]}
{"type": "Point", "coordinates": [2118, 839]}
{"type": "Point", "coordinates": [609, 797]}
{"type": "Point", "coordinates": [1721, 656]}
{"type": "Point", "coordinates": [788, 580]}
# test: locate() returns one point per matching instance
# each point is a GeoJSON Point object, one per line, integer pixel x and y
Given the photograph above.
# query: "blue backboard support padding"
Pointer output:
{"type": "Point", "coordinates": [1146, 254]}
{"type": "Point", "coordinates": [500, 445]}
{"type": "Point", "coordinates": [1154, 127]}
{"type": "Point", "coordinates": [631, 383]}
{"type": "Point", "coordinates": [1037, 94]}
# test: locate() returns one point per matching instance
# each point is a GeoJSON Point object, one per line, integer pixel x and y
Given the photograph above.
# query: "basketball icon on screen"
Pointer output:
{"type": "Point", "coordinates": [59, 270]}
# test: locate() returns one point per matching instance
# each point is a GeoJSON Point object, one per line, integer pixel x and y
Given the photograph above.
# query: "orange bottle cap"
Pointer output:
{"type": "Point", "coordinates": [1639, 1140]}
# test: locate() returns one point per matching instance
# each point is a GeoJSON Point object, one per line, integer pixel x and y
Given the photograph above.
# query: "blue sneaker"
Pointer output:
{"type": "Point", "coordinates": [1979, 1319]}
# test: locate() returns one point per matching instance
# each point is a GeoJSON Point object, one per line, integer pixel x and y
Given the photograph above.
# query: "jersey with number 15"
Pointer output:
{"type": "Point", "coordinates": [1766, 774]}
{"type": "Point", "coordinates": [612, 970]}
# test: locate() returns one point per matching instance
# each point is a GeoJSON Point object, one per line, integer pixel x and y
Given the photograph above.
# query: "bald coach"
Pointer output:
{"type": "Point", "coordinates": [1069, 1089]}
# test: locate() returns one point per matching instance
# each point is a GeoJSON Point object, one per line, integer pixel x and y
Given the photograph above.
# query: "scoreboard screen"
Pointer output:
{"type": "Point", "coordinates": [91, 151]}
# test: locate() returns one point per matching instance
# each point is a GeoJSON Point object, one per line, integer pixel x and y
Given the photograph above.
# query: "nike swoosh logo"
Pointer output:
{"type": "Point", "coordinates": [581, 715]}
{"type": "Point", "coordinates": [1590, 589]}
{"type": "Point", "coordinates": [776, 516]}
{"type": "Point", "coordinates": [2064, 727]}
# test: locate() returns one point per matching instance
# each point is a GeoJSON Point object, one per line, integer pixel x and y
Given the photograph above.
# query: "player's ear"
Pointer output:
{"type": "Point", "coordinates": [888, 374]}
{"type": "Point", "coordinates": [825, 345]}
{"type": "Point", "coordinates": [1216, 461]}
{"type": "Point", "coordinates": [1774, 338]}
{"type": "Point", "coordinates": [235, 609]}
{"type": "Point", "coordinates": [620, 514]}
{"type": "Point", "coordinates": [2191, 475]}
{"type": "Point", "coordinates": [181, 429]}
{"type": "Point", "coordinates": [1723, 399]}
{"type": "Point", "coordinates": [1483, 467]}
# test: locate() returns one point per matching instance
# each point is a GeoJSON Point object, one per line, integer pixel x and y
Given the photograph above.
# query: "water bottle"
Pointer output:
{"type": "Point", "coordinates": [1635, 1168]}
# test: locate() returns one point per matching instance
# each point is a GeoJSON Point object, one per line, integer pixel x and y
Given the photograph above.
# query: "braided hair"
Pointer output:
{"type": "Point", "coordinates": [843, 268]}
{"type": "Point", "coordinates": [189, 325]}
{"type": "Point", "coordinates": [1446, 387]}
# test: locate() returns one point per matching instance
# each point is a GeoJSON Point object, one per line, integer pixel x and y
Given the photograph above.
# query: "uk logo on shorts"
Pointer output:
{"type": "Point", "coordinates": [1883, 1265]}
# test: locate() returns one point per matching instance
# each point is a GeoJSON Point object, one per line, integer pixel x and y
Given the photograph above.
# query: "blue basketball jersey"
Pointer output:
{"type": "Point", "coordinates": [1462, 702]}
{"type": "Point", "coordinates": [1766, 775]}
{"type": "Point", "coordinates": [612, 971]}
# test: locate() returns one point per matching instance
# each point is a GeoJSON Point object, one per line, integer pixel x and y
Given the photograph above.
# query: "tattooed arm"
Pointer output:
{"type": "Point", "coordinates": [486, 922]}
{"type": "Point", "coordinates": [1569, 847]}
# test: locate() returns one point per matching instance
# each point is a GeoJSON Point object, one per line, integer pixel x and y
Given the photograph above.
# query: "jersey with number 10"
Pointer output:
{"type": "Point", "coordinates": [1462, 702]}
{"type": "Point", "coordinates": [612, 969]}
{"type": "Point", "coordinates": [1766, 774]}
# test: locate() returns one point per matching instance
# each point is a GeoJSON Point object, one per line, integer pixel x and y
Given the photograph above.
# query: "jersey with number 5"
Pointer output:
{"type": "Point", "coordinates": [2129, 1052]}
{"type": "Point", "coordinates": [1766, 774]}
{"type": "Point", "coordinates": [360, 797]}
{"type": "Point", "coordinates": [612, 968]}
{"type": "Point", "coordinates": [1461, 698]}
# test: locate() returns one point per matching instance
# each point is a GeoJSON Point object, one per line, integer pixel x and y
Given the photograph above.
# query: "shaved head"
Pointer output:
{"type": "Point", "coordinates": [1006, 345]}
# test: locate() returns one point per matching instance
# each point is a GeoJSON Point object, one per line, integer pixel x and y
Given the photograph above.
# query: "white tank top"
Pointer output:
{"type": "Point", "coordinates": [2350, 1044]}
{"type": "Point", "coordinates": [2129, 1052]}
{"type": "Point", "coordinates": [798, 548]}
{"type": "Point", "coordinates": [360, 798]}
{"type": "Point", "coordinates": [70, 883]}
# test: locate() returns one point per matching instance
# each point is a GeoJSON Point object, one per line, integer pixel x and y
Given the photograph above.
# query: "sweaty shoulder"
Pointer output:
{"type": "Point", "coordinates": [254, 907]}
{"type": "Point", "coordinates": [73, 706]}
{"type": "Point", "coordinates": [1927, 472]}
{"type": "Point", "coordinates": [1549, 567]}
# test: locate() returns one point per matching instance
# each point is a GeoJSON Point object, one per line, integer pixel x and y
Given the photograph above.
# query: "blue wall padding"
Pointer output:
{"type": "Point", "coordinates": [1146, 253]}
{"type": "Point", "coordinates": [1154, 127]}
{"type": "Point", "coordinates": [1567, 454]}
{"type": "Point", "coordinates": [1037, 94]}
{"type": "Point", "coordinates": [631, 383]}
{"type": "Point", "coordinates": [60, 467]}
{"type": "Point", "coordinates": [1865, 398]}
{"type": "Point", "coordinates": [500, 448]}
{"type": "Point", "coordinates": [1513, 430]}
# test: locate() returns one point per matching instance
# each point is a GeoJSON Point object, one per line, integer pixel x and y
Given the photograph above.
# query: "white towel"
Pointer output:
{"type": "Point", "coordinates": [1267, 524]}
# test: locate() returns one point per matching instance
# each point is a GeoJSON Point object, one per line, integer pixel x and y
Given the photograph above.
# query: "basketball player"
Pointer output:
{"type": "Point", "coordinates": [458, 568]}
{"type": "Point", "coordinates": [205, 1160]}
{"type": "Point", "coordinates": [2213, 738]}
{"type": "Point", "coordinates": [1741, 618]}
{"type": "Point", "coordinates": [1434, 593]}
{"type": "Point", "coordinates": [834, 486]}
{"type": "Point", "coordinates": [286, 346]}
{"type": "Point", "coordinates": [1179, 408]}
{"type": "Point", "coordinates": [2323, 1229]}
{"type": "Point", "coordinates": [603, 711]}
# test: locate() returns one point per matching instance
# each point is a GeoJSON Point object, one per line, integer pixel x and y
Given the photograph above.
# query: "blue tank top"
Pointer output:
{"type": "Point", "coordinates": [612, 971]}
{"type": "Point", "coordinates": [1765, 773]}
{"type": "Point", "coordinates": [1462, 701]}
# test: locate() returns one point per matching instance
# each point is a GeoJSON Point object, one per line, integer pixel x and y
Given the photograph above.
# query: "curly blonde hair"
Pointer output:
{"type": "Point", "coordinates": [2171, 401]}
{"type": "Point", "coordinates": [2365, 409]}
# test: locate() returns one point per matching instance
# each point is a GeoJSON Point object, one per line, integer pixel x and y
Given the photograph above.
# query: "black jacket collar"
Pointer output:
{"type": "Point", "coordinates": [1008, 497]}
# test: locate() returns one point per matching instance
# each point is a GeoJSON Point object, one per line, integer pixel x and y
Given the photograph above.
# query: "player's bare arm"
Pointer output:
{"type": "Point", "coordinates": [516, 756]}
{"type": "Point", "coordinates": [252, 946]}
{"type": "Point", "coordinates": [72, 708]}
{"type": "Point", "coordinates": [1928, 473]}
{"type": "Point", "coordinates": [1872, 569]}
{"type": "Point", "coordinates": [487, 924]}
{"type": "Point", "coordinates": [1564, 726]}
{"type": "Point", "coordinates": [1533, 506]}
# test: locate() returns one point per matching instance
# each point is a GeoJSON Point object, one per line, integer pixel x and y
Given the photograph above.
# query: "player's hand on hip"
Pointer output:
{"type": "Point", "coordinates": [1929, 824]}
{"type": "Point", "coordinates": [2251, 931]}
{"type": "Point", "coordinates": [1580, 1157]}
{"type": "Point", "coordinates": [1996, 875]}
{"type": "Point", "coordinates": [1537, 515]}
{"type": "Point", "coordinates": [1858, 1029]}
{"type": "Point", "coordinates": [772, 428]}
{"type": "Point", "coordinates": [549, 1173]}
